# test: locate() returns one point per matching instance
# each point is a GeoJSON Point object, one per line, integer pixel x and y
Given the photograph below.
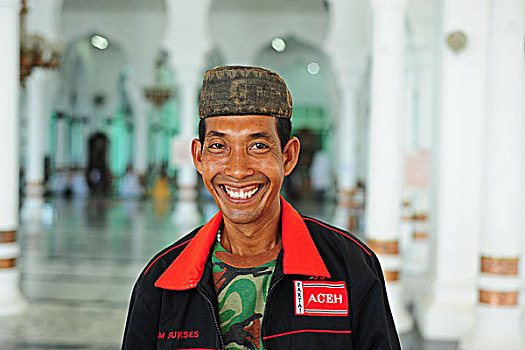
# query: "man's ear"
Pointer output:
{"type": "Point", "coordinates": [196, 153]}
{"type": "Point", "coordinates": [291, 155]}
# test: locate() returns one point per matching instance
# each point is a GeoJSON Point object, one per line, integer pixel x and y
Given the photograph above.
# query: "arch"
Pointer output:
{"type": "Point", "coordinates": [93, 97]}
{"type": "Point", "coordinates": [238, 28]}
{"type": "Point", "coordinates": [86, 72]}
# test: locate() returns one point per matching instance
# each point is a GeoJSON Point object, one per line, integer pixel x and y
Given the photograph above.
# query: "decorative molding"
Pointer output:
{"type": "Point", "coordinates": [7, 263]}
{"type": "Point", "coordinates": [7, 236]}
{"type": "Point", "coordinates": [420, 235]}
{"type": "Point", "coordinates": [499, 266]}
{"type": "Point", "coordinates": [498, 298]}
{"type": "Point", "coordinates": [384, 247]}
{"type": "Point", "coordinates": [391, 276]}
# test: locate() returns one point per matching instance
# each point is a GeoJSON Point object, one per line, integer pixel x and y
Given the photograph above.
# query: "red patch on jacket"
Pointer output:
{"type": "Point", "coordinates": [314, 298]}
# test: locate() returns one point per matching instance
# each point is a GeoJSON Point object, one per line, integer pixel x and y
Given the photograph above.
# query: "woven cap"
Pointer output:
{"type": "Point", "coordinates": [238, 90]}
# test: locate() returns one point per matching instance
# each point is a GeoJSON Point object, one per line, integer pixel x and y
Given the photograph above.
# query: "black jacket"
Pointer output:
{"type": "Point", "coordinates": [327, 292]}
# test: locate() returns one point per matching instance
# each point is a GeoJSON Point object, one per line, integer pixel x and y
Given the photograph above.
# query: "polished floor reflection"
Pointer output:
{"type": "Point", "coordinates": [78, 269]}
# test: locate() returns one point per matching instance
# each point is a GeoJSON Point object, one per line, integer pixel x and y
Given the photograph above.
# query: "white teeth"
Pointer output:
{"type": "Point", "coordinates": [241, 193]}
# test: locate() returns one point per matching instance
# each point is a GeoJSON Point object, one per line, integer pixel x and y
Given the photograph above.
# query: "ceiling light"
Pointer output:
{"type": "Point", "coordinates": [313, 68]}
{"type": "Point", "coordinates": [278, 44]}
{"type": "Point", "coordinates": [99, 42]}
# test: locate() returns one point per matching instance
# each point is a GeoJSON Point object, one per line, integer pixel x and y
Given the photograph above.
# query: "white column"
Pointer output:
{"type": "Point", "coordinates": [346, 43]}
{"type": "Point", "coordinates": [499, 323]}
{"type": "Point", "coordinates": [386, 156]}
{"type": "Point", "coordinates": [41, 19]}
{"type": "Point", "coordinates": [346, 141]}
{"type": "Point", "coordinates": [37, 117]}
{"type": "Point", "coordinates": [447, 312]}
{"type": "Point", "coordinates": [425, 86]}
{"type": "Point", "coordinates": [416, 256]}
{"type": "Point", "coordinates": [421, 114]}
{"type": "Point", "coordinates": [186, 211]}
{"type": "Point", "coordinates": [11, 301]}
{"type": "Point", "coordinates": [187, 41]}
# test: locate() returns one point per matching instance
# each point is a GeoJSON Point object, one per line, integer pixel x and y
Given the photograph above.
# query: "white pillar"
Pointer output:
{"type": "Point", "coordinates": [425, 85]}
{"type": "Point", "coordinates": [186, 210]}
{"type": "Point", "coordinates": [386, 156]}
{"type": "Point", "coordinates": [421, 113]}
{"type": "Point", "coordinates": [41, 19]}
{"type": "Point", "coordinates": [37, 117]}
{"type": "Point", "coordinates": [187, 41]}
{"type": "Point", "coordinates": [346, 133]}
{"type": "Point", "coordinates": [499, 323]}
{"type": "Point", "coordinates": [447, 312]}
{"type": "Point", "coordinates": [11, 301]}
{"type": "Point", "coordinates": [346, 43]}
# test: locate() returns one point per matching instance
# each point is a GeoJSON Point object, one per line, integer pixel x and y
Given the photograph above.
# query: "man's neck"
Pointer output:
{"type": "Point", "coordinates": [251, 239]}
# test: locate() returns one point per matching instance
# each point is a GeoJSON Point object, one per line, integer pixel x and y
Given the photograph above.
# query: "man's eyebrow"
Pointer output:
{"type": "Point", "coordinates": [262, 135]}
{"type": "Point", "coordinates": [212, 133]}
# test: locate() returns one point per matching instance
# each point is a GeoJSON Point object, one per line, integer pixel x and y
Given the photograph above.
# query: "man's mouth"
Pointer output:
{"type": "Point", "coordinates": [242, 193]}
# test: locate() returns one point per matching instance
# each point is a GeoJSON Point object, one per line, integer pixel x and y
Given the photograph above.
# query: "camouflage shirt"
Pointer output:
{"type": "Point", "coordinates": [242, 285]}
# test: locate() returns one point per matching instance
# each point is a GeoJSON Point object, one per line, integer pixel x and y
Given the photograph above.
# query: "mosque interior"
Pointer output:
{"type": "Point", "coordinates": [410, 116]}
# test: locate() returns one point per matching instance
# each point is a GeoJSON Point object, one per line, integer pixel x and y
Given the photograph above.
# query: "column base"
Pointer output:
{"type": "Point", "coordinates": [32, 209]}
{"type": "Point", "coordinates": [496, 328]}
{"type": "Point", "coordinates": [447, 312]}
{"type": "Point", "coordinates": [402, 319]}
{"type": "Point", "coordinates": [12, 302]}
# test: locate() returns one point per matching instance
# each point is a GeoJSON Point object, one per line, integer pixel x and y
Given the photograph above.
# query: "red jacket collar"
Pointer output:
{"type": "Point", "coordinates": [300, 254]}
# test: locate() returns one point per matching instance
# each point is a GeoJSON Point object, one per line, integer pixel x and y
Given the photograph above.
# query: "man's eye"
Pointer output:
{"type": "Point", "coordinates": [216, 146]}
{"type": "Point", "coordinates": [259, 145]}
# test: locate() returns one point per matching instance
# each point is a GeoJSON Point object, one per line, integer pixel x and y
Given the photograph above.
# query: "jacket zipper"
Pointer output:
{"type": "Point", "coordinates": [268, 298]}
{"type": "Point", "coordinates": [214, 318]}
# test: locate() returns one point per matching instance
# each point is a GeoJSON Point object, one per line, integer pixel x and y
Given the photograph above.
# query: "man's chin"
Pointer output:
{"type": "Point", "coordinates": [237, 216]}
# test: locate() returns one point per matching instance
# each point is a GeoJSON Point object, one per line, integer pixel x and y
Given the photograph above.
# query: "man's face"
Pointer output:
{"type": "Point", "coordinates": [243, 166]}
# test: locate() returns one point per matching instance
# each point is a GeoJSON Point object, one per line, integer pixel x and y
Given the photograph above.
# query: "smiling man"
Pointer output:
{"type": "Point", "coordinates": [258, 275]}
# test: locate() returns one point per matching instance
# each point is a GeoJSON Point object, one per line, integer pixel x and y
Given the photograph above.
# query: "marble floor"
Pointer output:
{"type": "Point", "coordinates": [78, 268]}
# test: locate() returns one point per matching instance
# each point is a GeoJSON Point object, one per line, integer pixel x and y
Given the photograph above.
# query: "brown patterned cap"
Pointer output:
{"type": "Point", "coordinates": [239, 90]}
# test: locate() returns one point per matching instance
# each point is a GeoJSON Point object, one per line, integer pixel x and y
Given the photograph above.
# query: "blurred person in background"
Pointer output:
{"type": "Point", "coordinates": [130, 187]}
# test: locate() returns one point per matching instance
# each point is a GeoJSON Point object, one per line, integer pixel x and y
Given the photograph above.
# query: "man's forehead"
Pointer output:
{"type": "Point", "coordinates": [246, 125]}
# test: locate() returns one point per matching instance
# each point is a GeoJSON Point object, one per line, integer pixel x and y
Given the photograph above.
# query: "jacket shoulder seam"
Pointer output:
{"type": "Point", "coordinates": [362, 246]}
{"type": "Point", "coordinates": [164, 253]}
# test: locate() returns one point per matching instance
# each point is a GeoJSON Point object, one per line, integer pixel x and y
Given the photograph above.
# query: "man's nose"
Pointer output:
{"type": "Point", "coordinates": [239, 165]}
